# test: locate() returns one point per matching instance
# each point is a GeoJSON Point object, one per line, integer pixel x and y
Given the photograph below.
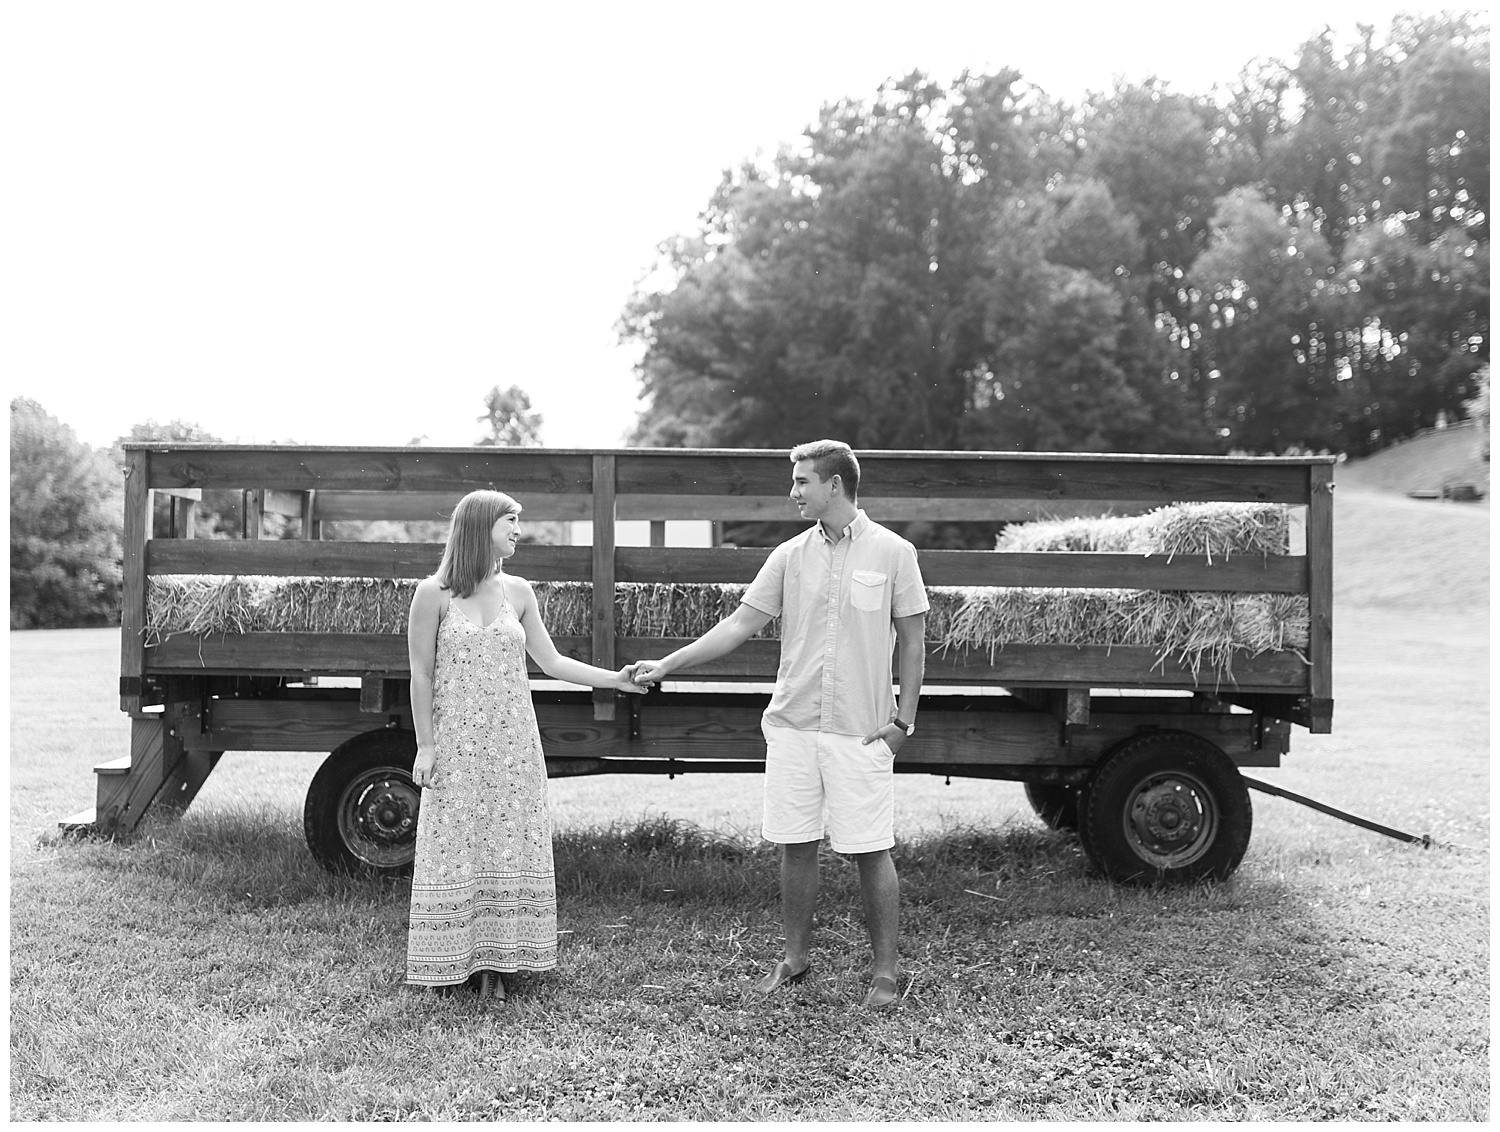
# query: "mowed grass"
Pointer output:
{"type": "Point", "coordinates": [209, 970]}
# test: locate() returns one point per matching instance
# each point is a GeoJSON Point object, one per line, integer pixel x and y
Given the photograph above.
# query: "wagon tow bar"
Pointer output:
{"type": "Point", "coordinates": [1424, 840]}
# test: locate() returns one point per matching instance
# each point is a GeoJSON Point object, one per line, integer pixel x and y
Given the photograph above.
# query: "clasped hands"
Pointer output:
{"type": "Point", "coordinates": [638, 677]}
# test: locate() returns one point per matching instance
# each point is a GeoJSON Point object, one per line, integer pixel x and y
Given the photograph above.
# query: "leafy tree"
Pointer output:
{"type": "Point", "coordinates": [1155, 151]}
{"type": "Point", "coordinates": [65, 502]}
{"type": "Point", "coordinates": [1432, 152]}
{"type": "Point", "coordinates": [1417, 328]}
{"type": "Point", "coordinates": [1389, 160]}
{"type": "Point", "coordinates": [1262, 281]}
{"type": "Point", "coordinates": [509, 419]}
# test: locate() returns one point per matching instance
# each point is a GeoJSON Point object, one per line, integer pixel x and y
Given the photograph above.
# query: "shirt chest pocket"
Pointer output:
{"type": "Point", "coordinates": [867, 594]}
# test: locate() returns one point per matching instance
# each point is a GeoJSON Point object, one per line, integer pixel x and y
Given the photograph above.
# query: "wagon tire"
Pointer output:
{"type": "Point", "coordinates": [360, 817]}
{"type": "Point", "coordinates": [1055, 804]}
{"type": "Point", "coordinates": [1165, 808]}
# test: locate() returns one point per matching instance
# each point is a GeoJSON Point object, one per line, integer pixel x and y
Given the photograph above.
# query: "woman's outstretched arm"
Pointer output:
{"type": "Point", "coordinates": [553, 663]}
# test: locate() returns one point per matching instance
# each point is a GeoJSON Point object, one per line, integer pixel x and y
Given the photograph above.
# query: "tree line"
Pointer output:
{"type": "Point", "coordinates": [1299, 262]}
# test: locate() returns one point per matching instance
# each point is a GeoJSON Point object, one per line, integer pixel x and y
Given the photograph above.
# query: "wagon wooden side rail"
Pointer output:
{"type": "Point", "coordinates": [192, 697]}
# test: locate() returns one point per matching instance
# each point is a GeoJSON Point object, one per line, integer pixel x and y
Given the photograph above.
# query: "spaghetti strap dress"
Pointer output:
{"type": "Point", "coordinates": [483, 895]}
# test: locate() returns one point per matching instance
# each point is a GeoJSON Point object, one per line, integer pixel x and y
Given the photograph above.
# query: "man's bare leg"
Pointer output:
{"type": "Point", "coordinates": [881, 894]}
{"type": "Point", "coordinates": [799, 897]}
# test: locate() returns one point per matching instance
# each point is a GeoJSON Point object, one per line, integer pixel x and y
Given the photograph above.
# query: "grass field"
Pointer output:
{"type": "Point", "coordinates": [209, 970]}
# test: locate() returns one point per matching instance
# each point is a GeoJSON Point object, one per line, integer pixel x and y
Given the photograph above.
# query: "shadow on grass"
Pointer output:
{"type": "Point", "coordinates": [243, 857]}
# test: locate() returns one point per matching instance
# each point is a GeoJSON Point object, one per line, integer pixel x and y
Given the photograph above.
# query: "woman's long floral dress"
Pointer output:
{"type": "Point", "coordinates": [482, 894]}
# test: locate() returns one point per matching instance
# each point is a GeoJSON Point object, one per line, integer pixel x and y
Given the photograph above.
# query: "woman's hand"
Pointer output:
{"type": "Point", "coordinates": [626, 680]}
{"type": "Point", "coordinates": [424, 768]}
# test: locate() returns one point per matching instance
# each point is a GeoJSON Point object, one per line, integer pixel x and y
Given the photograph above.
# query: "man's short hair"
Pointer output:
{"type": "Point", "coordinates": [831, 458]}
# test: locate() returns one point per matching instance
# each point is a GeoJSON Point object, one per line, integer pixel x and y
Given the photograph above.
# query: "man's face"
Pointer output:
{"type": "Point", "coordinates": [813, 496]}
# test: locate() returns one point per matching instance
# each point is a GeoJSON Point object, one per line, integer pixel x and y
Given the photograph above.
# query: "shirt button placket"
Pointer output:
{"type": "Point", "coordinates": [830, 648]}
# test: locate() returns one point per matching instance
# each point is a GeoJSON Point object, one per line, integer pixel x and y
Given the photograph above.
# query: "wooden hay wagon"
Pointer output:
{"type": "Point", "coordinates": [1137, 746]}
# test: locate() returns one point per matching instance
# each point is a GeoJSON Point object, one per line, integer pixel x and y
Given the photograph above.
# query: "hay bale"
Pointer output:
{"type": "Point", "coordinates": [201, 604]}
{"type": "Point", "coordinates": [1215, 530]}
{"type": "Point", "coordinates": [1199, 628]}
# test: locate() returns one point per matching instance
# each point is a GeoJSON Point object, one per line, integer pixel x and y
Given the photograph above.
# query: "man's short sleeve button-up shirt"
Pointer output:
{"type": "Point", "coordinates": [837, 602]}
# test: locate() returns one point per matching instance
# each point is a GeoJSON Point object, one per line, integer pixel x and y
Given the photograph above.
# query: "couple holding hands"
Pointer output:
{"type": "Point", "coordinates": [483, 900]}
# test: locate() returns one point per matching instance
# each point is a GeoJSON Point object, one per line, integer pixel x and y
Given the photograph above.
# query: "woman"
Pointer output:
{"type": "Point", "coordinates": [482, 896]}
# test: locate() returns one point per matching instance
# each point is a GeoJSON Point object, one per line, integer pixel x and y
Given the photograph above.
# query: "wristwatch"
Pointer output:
{"type": "Point", "coordinates": [907, 727]}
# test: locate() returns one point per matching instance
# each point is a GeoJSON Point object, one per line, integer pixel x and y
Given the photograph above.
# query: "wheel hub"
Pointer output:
{"type": "Point", "coordinates": [378, 817]}
{"type": "Point", "coordinates": [1171, 819]}
{"type": "Point", "coordinates": [387, 812]}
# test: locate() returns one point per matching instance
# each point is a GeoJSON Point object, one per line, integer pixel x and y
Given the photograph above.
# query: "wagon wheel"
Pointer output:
{"type": "Point", "coordinates": [1165, 807]}
{"type": "Point", "coordinates": [1055, 804]}
{"type": "Point", "coordinates": [361, 809]}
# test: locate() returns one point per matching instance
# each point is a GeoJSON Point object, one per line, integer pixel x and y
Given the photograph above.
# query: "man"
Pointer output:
{"type": "Point", "coordinates": [844, 589]}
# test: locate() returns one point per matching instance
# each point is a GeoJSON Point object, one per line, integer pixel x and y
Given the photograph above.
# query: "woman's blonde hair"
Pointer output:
{"type": "Point", "coordinates": [469, 557]}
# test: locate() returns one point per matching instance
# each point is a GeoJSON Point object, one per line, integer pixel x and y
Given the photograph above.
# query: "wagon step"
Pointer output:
{"type": "Point", "coordinates": [81, 822]}
{"type": "Point", "coordinates": [1425, 839]}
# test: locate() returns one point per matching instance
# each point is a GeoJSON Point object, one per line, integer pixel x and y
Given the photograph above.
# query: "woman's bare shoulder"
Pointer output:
{"type": "Point", "coordinates": [430, 591]}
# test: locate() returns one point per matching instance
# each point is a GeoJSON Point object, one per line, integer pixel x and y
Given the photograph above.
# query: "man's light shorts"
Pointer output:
{"type": "Point", "coordinates": [813, 773]}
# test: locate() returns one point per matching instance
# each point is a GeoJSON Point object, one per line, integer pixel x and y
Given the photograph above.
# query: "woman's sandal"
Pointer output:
{"type": "Point", "coordinates": [782, 975]}
{"type": "Point", "coordinates": [875, 997]}
{"type": "Point", "coordinates": [491, 985]}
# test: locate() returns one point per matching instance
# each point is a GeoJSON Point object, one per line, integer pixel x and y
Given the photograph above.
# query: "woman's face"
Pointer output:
{"type": "Point", "coordinates": [505, 533]}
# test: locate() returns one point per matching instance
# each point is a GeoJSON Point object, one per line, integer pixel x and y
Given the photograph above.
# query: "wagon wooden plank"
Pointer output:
{"type": "Point", "coordinates": [1320, 597]}
{"type": "Point", "coordinates": [512, 470]}
{"type": "Point", "coordinates": [548, 507]}
{"type": "Point", "coordinates": [1102, 666]}
{"type": "Point", "coordinates": [603, 594]}
{"type": "Point", "coordinates": [133, 589]}
{"type": "Point", "coordinates": [352, 654]}
{"type": "Point", "coordinates": [327, 654]}
{"type": "Point", "coordinates": [284, 725]}
{"type": "Point", "coordinates": [1039, 478]}
{"type": "Point", "coordinates": [407, 506]}
{"type": "Point", "coordinates": [312, 558]}
{"type": "Point", "coordinates": [1016, 665]}
{"type": "Point", "coordinates": [884, 508]}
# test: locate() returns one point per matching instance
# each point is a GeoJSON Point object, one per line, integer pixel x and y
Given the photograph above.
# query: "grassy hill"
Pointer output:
{"type": "Point", "coordinates": [1425, 462]}
{"type": "Point", "coordinates": [1395, 553]}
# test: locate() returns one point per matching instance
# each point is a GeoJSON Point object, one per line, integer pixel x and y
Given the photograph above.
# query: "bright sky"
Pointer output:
{"type": "Point", "coordinates": [342, 223]}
